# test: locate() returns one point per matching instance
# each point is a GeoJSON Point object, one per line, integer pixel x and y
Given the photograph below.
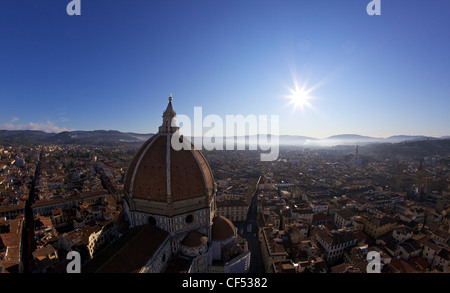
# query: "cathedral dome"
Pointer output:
{"type": "Point", "coordinates": [194, 239]}
{"type": "Point", "coordinates": [222, 229]}
{"type": "Point", "coordinates": [160, 173]}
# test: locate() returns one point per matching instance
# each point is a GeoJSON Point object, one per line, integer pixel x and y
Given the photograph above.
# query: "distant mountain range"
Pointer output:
{"type": "Point", "coordinates": [117, 137]}
{"type": "Point", "coordinates": [71, 137]}
{"type": "Point", "coordinates": [354, 139]}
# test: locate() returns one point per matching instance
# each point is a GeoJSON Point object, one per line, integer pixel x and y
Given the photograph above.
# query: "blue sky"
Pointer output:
{"type": "Point", "coordinates": [114, 66]}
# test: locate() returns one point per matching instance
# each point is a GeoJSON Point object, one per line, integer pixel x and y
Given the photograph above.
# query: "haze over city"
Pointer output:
{"type": "Point", "coordinates": [114, 66]}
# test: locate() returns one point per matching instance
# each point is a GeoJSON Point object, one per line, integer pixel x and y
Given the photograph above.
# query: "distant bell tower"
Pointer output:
{"type": "Point", "coordinates": [356, 161]}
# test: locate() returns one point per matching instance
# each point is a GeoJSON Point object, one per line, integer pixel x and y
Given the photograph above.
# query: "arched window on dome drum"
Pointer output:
{"type": "Point", "coordinates": [151, 221]}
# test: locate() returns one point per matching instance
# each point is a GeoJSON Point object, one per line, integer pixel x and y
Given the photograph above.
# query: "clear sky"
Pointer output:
{"type": "Point", "coordinates": [114, 66]}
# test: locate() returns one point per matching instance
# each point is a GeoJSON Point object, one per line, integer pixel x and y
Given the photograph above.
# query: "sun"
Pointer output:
{"type": "Point", "coordinates": [300, 97]}
{"type": "Point", "coordinates": [301, 94]}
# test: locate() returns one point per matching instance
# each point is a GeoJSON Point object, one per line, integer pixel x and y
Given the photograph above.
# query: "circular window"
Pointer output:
{"type": "Point", "coordinates": [152, 221]}
{"type": "Point", "coordinates": [189, 219]}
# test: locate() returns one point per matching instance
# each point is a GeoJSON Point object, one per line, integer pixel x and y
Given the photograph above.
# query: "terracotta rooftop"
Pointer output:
{"type": "Point", "coordinates": [129, 253]}
{"type": "Point", "coordinates": [381, 221]}
{"type": "Point", "coordinates": [419, 263]}
{"type": "Point", "coordinates": [81, 196]}
{"type": "Point", "coordinates": [178, 264]}
{"type": "Point", "coordinates": [284, 266]}
{"type": "Point", "coordinates": [43, 252]}
{"type": "Point", "coordinates": [400, 266]}
{"type": "Point", "coordinates": [346, 213]}
{"type": "Point", "coordinates": [337, 237]}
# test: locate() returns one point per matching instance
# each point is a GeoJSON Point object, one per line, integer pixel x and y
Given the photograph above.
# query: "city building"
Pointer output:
{"type": "Point", "coordinates": [343, 218]}
{"type": "Point", "coordinates": [12, 253]}
{"type": "Point", "coordinates": [375, 226]}
{"type": "Point", "coordinates": [272, 248]}
{"type": "Point", "coordinates": [234, 209]}
{"type": "Point", "coordinates": [335, 242]}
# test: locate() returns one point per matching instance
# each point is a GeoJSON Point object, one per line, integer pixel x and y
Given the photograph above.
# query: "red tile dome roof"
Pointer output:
{"type": "Point", "coordinates": [194, 239]}
{"type": "Point", "coordinates": [222, 228]}
{"type": "Point", "coordinates": [158, 172]}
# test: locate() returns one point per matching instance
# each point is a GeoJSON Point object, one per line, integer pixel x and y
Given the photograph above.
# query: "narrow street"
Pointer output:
{"type": "Point", "coordinates": [249, 231]}
{"type": "Point", "coordinates": [28, 233]}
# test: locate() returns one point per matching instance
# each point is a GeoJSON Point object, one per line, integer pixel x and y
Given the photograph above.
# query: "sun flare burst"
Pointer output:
{"type": "Point", "coordinates": [300, 96]}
